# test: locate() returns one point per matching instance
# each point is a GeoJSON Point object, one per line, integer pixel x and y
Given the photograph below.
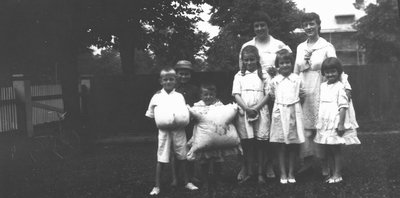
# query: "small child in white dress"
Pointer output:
{"type": "Point", "coordinates": [210, 160]}
{"type": "Point", "coordinates": [336, 125]}
{"type": "Point", "coordinates": [287, 129]}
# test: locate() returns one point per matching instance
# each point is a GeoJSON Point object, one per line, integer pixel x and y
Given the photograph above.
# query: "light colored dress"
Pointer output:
{"type": "Point", "coordinates": [332, 98]}
{"type": "Point", "coordinates": [252, 90]}
{"type": "Point", "coordinates": [266, 51]}
{"type": "Point", "coordinates": [287, 116]}
{"type": "Point", "coordinates": [310, 74]}
{"type": "Point", "coordinates": [216, 155]}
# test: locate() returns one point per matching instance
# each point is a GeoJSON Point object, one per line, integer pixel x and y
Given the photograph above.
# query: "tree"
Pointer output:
{"type": "Point", "coordinates": [45, 33]}
{"type": "Point", "coordinates": [379, 32]}
{"type": "Point", "coordinates": [233, 18]}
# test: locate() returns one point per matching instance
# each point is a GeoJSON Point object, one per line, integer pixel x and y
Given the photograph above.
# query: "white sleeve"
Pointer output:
{"type": "Point", "coordinates": [343, 101]}
{"type": "Point", "coordinates": [299, 60]}
{"type": "Point", "coordinates": [240, 58]}
{"type": "Point", "coordinates": [330, 51]}
{"type": "Point", "coordinates": [152, 105]}
{"type": "Point", "coordinates": [236, 87]}
{"type": "Point", "coordinates": [344, 78]}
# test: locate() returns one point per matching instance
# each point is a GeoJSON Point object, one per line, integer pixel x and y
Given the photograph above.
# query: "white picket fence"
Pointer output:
{"type": "Point", "coordinates": [8, 109]}
{"type": "Point", "coordinates": [49, 94]}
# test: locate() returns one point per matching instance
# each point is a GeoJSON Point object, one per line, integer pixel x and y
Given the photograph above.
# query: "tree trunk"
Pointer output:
{"type": "Point", "coordinates": [129, 36]}
{"type": "Point", "coordinates": [68, 48]}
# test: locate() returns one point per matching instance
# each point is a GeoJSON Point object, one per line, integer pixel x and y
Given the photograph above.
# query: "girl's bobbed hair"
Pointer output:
{"type": "Point", "coordinates": [283, 54]}
{"type": "Point", "coordinates": [331, 63]}
{"type": "Point", "coordinates": [251, 49]}
{"type": "Point", "coordinates": [260, 16]}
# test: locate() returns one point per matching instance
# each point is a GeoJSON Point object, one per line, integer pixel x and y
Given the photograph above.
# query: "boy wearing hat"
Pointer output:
{"type": "Point", "coordinates": [191, 93]}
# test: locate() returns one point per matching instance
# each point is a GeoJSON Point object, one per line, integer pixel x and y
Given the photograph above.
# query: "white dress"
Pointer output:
{"type": "Point", "coordinates": [310, 74]}
{"type": "Point", "coordinates": [287, 116]}
{"type": "Point", "coordinates": [252, 90]}
{"type": "Point", "coordinates": [332, 98]}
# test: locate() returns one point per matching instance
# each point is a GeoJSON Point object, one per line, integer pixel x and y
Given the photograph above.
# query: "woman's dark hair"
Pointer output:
{"type": "Point", "coordinates": [331, 63]}
{"type": "Point", "coordinates": [311, 16]}
{"type": "Point", "coordinates": [260, 16]}
{"type": "Point", "coordinates": [283, 54]}
{"type": "Point", "coordinates": [251, 49]}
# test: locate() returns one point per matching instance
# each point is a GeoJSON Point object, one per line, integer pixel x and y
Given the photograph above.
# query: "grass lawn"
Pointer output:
{"type": "Point", "coordinates": [113, 171]}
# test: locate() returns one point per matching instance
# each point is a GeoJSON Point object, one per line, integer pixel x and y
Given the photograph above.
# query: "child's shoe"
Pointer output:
{"type": "Point", "coordinates": [292, 180]}
{"type": "Point", "coordinates": [191, 186]}
{"type": "Point", "coordinates": [155, 191]}
{"type": "Point", "coordinates": [283, 181]}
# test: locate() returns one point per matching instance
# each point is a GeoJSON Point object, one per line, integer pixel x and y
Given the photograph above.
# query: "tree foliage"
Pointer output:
{"type": "Point", "coordinates": [233, 18]}
{"type": "Point", "coordinates": [379, 31]}
{"type": "Point", "coordinates": [45, 33]}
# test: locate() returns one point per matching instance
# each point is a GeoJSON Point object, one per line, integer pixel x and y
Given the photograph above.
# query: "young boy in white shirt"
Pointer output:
{"type": "Point", "coordinates": [171, 141]}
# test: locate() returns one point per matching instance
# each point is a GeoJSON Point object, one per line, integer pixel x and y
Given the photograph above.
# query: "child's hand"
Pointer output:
{"type": "Point", "coordinates": [272, 71]}
{"type": "Point", "coordinates": [340, 130]}
{"type": "Point", "coordinates": [251, 113]}
{"type": "Point", "coordinates": [348, 93]}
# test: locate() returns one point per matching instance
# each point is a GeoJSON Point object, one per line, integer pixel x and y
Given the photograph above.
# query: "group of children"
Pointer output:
{"type": "Point", "coordinates": [258, 129]}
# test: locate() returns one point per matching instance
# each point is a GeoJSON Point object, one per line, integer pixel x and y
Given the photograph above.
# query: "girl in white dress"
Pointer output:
{"type": "Point", "coordinates": [287, 129]}
{"type": "Point", "coordinates": [249, 89]}
{"type": "Point", "coordinates": [336, 125]}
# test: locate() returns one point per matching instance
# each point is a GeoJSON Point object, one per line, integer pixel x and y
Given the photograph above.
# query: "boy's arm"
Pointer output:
{"type": "Point", "coordinates": [150, 110]}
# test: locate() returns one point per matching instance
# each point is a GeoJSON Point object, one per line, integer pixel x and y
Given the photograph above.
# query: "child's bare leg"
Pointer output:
{"type": "Point", "coordinates": [159, 168]}
{"type": "Point", "coordinates": [321, 151]}
{"type": "Point", "coordinates": [292, 159]}
{"type": "Point", "coordinates": [281, 159]}
{"type": "Point", "coordinates": [337, 155]}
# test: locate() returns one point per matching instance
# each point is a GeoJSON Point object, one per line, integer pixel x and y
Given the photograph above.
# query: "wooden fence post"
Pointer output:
{"type": "Point", "coordinates": [22, 88]}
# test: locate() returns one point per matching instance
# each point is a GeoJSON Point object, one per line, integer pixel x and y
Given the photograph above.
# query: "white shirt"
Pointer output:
{"type": "Point", "coordinates": [163, 98]}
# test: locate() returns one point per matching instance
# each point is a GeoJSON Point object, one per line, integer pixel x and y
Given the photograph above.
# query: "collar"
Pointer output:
{"type": "Point", "coordinates": [271, 40]}
{"type": "Point", "coordinates": [280, 78]}
{"type": "Point", "coordinates": [164, 92]}
{"type": "Point", "coordinates": [321, 43]}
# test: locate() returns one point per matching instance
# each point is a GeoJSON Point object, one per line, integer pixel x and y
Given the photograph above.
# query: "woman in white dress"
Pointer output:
{"type": "Point", "coordinates": [310, 55]}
